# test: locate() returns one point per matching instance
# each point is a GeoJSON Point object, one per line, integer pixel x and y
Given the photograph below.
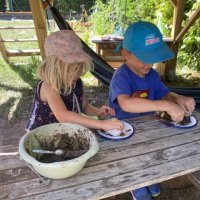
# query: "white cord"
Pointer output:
{"type": "Point", "coordinates": [42, 180]}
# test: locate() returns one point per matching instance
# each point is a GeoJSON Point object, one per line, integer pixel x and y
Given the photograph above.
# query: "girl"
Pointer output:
{"type": "Point", "coordinates": [60, 96]}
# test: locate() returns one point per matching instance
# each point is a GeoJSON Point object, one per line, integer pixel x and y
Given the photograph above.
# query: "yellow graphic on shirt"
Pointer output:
{"type": "Point", "coordinates": [140, 94]}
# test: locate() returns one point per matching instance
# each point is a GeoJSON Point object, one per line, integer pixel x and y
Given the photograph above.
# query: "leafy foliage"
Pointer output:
{"type": "Point", "coordinates": [124, 12]}
{"type": "Point", "coordinates": [189, 53]}
{"type": "Point", "coordinates": [107, 15]}
{"type": "Point", "coordinates": [101, 18]}
{"type": "Point", "coordinates": [65, 6]}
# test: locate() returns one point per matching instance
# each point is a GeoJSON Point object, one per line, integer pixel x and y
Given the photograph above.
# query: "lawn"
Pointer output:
{"type": "Point", "coordinates": [19, 34]}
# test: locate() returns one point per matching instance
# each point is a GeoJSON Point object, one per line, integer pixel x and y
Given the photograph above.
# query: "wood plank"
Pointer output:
{"type": "Point", "coordinates": [194, 178]}
{"type": "Point", "coordinates": [109, 147]}
{"type": "Point", "coordinates": [102, 187]}
{"type": "Point", "coordinates": [19, 40]}
{"type": "Point", "coordinates": [190, 22]}
{"type": "Point", "coordinates": [138, 161]}
{"type": "Point", "coordinates": [115, 64]}
{"type": "Point", "coordinates": [120, 184]}
{"type": "Point", "coordinates": [40, 23]}
{"type": "Point", "coordinates": [28, 52]}
{"type": "Point", "coordinates": [15, 13]}
{"type": "Point", "coordinates": [113, 58]}
{"type": "Point", "coordinates": [45, 4]}
{"type": "Point", "coordinates": [174, 2]}
{"type": "Point", "coordinates": [16, 27]}
{"type": "Point", "coordinates": [110, 155]}
{"type": "Point", "coordinates": [10, 136]}
{"type": "Point", "coordinates": [143, 126]}
{"type": "Point", "coordinates": [3, 50]}
{"type": "Point", "coordinates": [135, 149]}
{"type": "Point", "coordinates": [176, 28]}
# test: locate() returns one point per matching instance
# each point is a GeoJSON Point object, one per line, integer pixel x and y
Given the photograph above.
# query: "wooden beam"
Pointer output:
{"type": "Point", "coordinates": [16, 13]}
{"type": "Point", "coordinates": [19, 40]}
{"type": "Point", "coordinates": [40, 23]}
{"type": "Point", "coordinates": [190, 22]}
{"type": "Point", "coordinates": [194, 178]}
{"type": "Point", "coordinates": [45, 4]}
{"type": "Point", "coordinates": [3, 50]}
{"type": "Point", "coordinates": [16, 27]}
{"type": "Point", "coordinates": [178, 18]}
{"type": "Point", "coordinates": [170, 69]}
{"type": "Point", "coordinates": [27, 52]}
{"type": "Point", "coordinates": [174, 2]}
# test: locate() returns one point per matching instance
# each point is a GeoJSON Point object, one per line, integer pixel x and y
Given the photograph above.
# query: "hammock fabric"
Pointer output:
{"type": "Point", "coordinates": [102, 70]}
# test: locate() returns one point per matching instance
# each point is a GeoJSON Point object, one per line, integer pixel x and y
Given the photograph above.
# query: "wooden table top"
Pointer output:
{"type": "Point", "coordinates": [155, 153]}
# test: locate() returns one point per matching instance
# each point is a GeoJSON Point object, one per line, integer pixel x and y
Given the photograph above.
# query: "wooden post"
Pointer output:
{"type": "Point", "coordinates": [40, 23]}
{"type": "Point", "coordinates": [45, 4]}
{"type": "Point", "coordinates": [170, 68]}
{"type": "Point", "coordinates": [190, 22]}
{"type": "Point", "coordinates": [3, 50]}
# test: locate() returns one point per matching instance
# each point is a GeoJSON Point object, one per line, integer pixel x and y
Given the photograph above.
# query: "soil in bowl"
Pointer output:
{"type": "Point", "coordinates": [73, 147]}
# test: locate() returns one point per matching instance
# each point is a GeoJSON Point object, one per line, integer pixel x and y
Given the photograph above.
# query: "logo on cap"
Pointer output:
{"type": "Point", "coordinates": [151, 39]}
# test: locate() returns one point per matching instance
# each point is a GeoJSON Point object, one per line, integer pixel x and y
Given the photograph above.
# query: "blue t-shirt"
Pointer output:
{"type": "Point", "coordinates": [125, 81]}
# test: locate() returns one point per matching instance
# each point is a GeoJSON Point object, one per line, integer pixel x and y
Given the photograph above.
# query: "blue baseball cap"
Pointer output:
{"type": "Point", "coordinates": [145, 40]}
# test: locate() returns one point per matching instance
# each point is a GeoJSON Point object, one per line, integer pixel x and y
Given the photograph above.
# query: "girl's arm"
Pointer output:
{"type": "Point", "coordinates": [63, 115]}
{"type": "Point", "coordinates": [142, 105]}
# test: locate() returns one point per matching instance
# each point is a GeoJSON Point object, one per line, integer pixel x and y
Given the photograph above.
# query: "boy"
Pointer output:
{"type": "Point", "coordinates": [136, 88]}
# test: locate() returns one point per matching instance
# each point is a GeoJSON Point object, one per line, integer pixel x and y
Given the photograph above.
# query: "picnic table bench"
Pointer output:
{"type": "Point", "coordinates": [155, 153]}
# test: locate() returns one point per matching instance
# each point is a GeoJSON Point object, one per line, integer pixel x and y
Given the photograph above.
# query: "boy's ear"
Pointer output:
{"type": "Point", "coordinates": [125, 54]}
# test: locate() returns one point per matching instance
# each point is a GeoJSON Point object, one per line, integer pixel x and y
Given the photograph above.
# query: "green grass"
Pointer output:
{"type": "Point", "coordinates": [17, 82]}
{"type": "Point", "coordinates": [19, 34]}
{"type": "Point", "coordinates": [17, 87]}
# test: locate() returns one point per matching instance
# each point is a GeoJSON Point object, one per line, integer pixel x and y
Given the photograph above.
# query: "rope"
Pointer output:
{"type": "Point", "coordinates": [75, 104]}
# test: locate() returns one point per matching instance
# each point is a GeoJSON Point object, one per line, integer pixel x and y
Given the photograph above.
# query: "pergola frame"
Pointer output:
{"type": "Point", "coordinates": [38, 11]}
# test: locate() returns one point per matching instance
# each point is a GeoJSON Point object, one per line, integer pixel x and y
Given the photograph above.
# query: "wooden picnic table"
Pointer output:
{"type": "Point", "coordinates": [107, 50]}
{"type": "Point", "coordinates": [155, 153]}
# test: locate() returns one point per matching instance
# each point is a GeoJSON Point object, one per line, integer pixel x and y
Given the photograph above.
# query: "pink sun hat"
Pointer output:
{"type": "Point", "coordinates": [65, 45]}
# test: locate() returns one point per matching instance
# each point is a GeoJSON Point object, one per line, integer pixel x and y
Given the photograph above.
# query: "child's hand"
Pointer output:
{"type": "Point", "coordinates": [112, 124]}
{"type": "Point", "coordinates": [105, 111]}
{"type": "Point", "coordinates": [186, 103]}
{"type": "Point", "coordinates": [176, 112]}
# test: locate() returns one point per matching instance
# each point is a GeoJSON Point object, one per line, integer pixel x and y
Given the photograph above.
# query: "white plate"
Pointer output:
{"type": "Point", "coordinates": [190, 125]}
{"type": "Point", "coordinates": [129, 131]}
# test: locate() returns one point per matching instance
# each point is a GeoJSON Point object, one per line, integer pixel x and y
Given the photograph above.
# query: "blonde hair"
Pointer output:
{"type": "Point", "coordinates": [51, 71]}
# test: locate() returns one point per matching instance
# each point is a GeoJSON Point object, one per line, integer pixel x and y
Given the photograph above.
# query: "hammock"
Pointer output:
{"type": "Point", "coordinates": [102, 70]}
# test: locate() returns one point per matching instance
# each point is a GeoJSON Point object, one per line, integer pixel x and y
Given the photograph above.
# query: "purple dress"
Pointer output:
{"type": "Point", "coordinates": [41, 112]}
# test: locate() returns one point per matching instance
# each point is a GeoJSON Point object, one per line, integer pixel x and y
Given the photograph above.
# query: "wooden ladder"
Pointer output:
{"type": "Point", "coordinates": [6, 53]}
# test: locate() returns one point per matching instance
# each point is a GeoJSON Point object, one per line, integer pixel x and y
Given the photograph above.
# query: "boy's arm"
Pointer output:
{"type": "Point", "coordinates": [142, 105]}
{"type": "Point", "coordinates": [186, 103]}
